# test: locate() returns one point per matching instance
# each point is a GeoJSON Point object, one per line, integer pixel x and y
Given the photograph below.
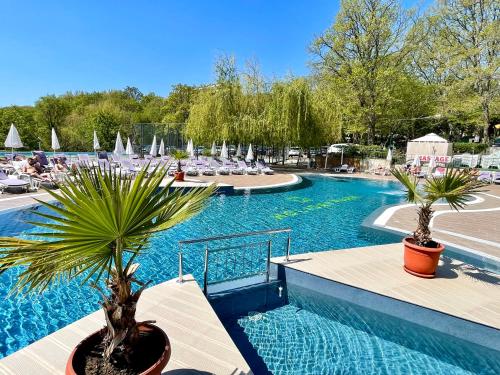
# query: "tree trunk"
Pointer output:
{"type": "Point", "coordinates": [422, 235]}
{"type": "Point", "coordinates": [486, 122]}
{"type": "Point", "coordinates": [119, 311]}
{"type": "Point", "coordinates": [372, 120]}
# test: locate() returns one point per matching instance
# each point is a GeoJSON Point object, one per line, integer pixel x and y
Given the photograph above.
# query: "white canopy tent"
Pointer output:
{"type": "Point", "coordinates": [336, 149]}
{"type": "Point", "coordinates": [430, 145]}
{"type": "Point", "coordinates": [13, 139]}
{"type": "Point", "coordinates": [119, 149]}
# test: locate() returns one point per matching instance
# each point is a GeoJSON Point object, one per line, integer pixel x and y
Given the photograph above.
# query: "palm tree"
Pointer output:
{"type": "Point", "coordinates": [99, 223]}
{"type": "Point", "coordinates": [455, 187]}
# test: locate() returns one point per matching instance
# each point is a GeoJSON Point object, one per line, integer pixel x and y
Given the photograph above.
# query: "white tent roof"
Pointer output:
{"type": "Point", "coordinates": [429, 145]}
{"type": "Point", "coordinates": [430, 138]}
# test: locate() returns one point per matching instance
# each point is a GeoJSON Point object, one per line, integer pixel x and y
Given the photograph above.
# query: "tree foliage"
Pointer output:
{"type": "Point", "coordinates": [380, 72]}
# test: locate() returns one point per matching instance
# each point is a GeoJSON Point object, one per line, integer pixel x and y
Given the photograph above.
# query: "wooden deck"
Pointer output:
{"type": "Point", "coordinates": [459, 289]}
{"type": "Point", "coordinates": [200, 344]}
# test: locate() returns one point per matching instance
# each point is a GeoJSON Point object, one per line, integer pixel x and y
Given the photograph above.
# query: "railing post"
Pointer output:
{"type": "Point", "coordinates": [268, 265]}
{"type": "Point", "coordinates": [180, 265]}
{"type": "Point", "coordinates": [287, 257]}
{"type": "Point", "coordinates": [205, 274]}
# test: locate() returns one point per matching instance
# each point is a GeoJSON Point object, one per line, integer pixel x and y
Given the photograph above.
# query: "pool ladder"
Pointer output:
{"type": "Point", "coordinates": [210, 249]}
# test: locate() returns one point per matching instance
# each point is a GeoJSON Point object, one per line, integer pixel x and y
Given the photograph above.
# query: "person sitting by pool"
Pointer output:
{"type": "Point", "coordinates": [34, 169]}
{"type": "Point", "coordinates": [60, 165]}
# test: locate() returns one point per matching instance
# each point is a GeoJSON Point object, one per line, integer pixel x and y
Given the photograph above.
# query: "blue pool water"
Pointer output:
{"type": "Point", "coordinates": [325, 214]}
{"type": "Point", "coordinates": [317, 334]}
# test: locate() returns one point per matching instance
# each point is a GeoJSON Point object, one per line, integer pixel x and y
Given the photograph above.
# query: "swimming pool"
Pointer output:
{"type": "Point", "coordinates": [314, 334]}
{"type": "Point", "coordinates": [325, 213]}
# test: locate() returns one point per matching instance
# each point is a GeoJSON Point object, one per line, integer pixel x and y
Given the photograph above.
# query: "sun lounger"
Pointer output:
{"type": "Point", "coordinates": [496, 178]}
{"type": "Point", "coordinates": [485, 176]}
{"type": "Point", "coordinates": [263, 168]}
{"type": "Point", "coordinates": [246, 168]}
{"type": "Point", "coordinates": [12, 182]}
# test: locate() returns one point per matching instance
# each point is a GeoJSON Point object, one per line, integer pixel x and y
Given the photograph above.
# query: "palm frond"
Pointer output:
{"type": "Point", "coordinates": [410, 183]}
{"type": "Point", "coordinates": [97, 218]}
{"type": "Point", "coordinates": [456, 187]}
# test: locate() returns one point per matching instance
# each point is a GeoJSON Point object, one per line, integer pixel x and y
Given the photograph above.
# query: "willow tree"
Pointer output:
{"type": "Point", "coordinates": [254, 125]}
{"type": "Point", "coordinates": [361, 50]}
{"type": "Point", "coordinates": [215, 114]}
{"type": "Point", "coordinates": [290, 114]}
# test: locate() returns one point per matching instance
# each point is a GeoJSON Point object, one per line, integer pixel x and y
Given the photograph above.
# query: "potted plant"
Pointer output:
{"type": "Point", "coordinates": [99, 224]}
{"type": "Point", "coordinates": [179, 173]}
{"type": "Point", "coordinates": [421, 253]}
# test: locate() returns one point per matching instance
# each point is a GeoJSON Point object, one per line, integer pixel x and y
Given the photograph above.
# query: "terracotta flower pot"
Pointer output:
{"type": "Point", "coordinates": [74, 367]}
{"type": "Point", "coordinates": [421, 261]}
{"type": "Point", "coordinates": [179, 176]}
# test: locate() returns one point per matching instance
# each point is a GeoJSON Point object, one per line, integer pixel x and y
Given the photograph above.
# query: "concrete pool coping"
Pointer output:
{"type": "Point", "coordinates": [468, 295]}
{"type": "Point", "coordinates": [200, 343]}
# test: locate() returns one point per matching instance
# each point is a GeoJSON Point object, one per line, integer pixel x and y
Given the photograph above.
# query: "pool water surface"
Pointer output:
{"type": "Point", "coordinates": [317, 334]}
{"type": "Point", "coordinates": [326, 213]}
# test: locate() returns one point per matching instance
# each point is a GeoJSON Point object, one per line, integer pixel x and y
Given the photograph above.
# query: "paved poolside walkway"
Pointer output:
{"type": "Point", "coordinates": [200, 344]}
{"type": "Point", "coordinates": [476, 228]}
{"type": "Point", "coordinates": [459, 289]}
{"type": "Point", "coordinates": [246, 181]}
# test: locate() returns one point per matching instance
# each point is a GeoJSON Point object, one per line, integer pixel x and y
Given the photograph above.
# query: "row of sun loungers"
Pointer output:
{"type": "Point", "coordinates": [192, 167]}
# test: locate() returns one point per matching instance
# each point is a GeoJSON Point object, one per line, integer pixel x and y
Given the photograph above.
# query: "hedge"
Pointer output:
{"type": "Point", "coordinates": [469, 148]}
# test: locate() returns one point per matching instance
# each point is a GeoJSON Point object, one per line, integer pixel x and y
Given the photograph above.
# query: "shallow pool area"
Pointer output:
{"type": "Point", "coordinates": [325, 213]}
{"type": "Point", "coordinates": [312, 333]}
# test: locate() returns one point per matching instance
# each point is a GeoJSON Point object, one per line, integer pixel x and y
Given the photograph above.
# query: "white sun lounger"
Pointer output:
{"type": "Point", "coordinates": [10, 182]}
{"type": "Point", "coordinates": [263, 169]}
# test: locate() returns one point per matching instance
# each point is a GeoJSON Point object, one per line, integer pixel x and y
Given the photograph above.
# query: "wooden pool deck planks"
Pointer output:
{"type": "Point", "coordinates": [200, 344]}
{"type": "Point", "coordinates": [459, 289]}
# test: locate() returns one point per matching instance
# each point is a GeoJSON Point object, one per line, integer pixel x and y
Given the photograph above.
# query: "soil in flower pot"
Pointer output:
{"type": "Point", "coordinates": [150, 349]}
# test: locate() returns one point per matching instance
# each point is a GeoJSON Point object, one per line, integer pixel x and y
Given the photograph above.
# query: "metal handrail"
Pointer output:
{"type": "Point", "coordinates": [225, 237]}
{"type": "Point", "coordinates": [237, 235]}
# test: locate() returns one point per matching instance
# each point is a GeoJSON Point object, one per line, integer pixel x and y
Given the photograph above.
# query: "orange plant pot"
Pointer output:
{"type": "Point", "coordinates": [179, 176]}
{"type": "Point", "coordinates": [74, 361]}
{"type": "Point", "coordinates": [421, 261]}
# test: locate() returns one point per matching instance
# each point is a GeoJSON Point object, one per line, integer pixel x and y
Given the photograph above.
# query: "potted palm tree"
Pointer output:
{"type": "Point", "coordinates": [100, 222]}
{"type": "Point", "coordinates": [421, 252]}
{"type": "Point", "coordinates": [179, 173]}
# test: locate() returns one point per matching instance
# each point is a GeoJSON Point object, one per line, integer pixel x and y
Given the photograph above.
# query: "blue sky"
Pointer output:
{"type": "Point", "coordinates": [50, 47]}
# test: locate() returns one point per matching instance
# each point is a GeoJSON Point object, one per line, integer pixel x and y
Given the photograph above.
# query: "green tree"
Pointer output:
{"type": "Point", "coordinates": [24, 120]}
{"type": "Point", "coordinates": [363, 50]}
{"type": "Point", "coordinates": [51, 112]}
{"type": "Point", "coordinates": [178, 104]}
